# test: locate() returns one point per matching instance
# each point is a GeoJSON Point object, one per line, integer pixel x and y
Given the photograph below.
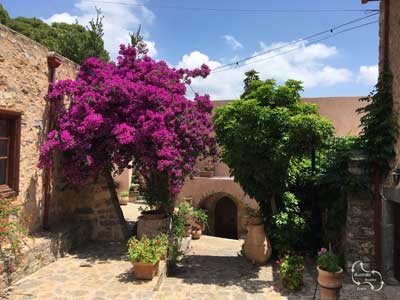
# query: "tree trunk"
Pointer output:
{"type": "Point", "coordinates": [273, 205]}
{"type": "Point", "coordinates": [115, 203]}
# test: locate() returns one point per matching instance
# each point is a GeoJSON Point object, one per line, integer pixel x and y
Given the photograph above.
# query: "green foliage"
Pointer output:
{"type": "Point", "coordinates": [279, 129]}
{"type": "Point", "coordinates": [291, 271]}
{"type": "Point", "coordinates": [328, 261]}
{"type": "Point", "coordinates": [73, 41]}
{"type": "Point", "coordinates": [157, 192]}
{"type": "Point", "coordinates": [4, 16]}
{"type": "Point", "coordinates": [288, 225]}
{"type": "Point", "coordinates": [379, 125]}
{"type": "Point", "coordinates": [145, 250]}
{"type": "Point", "coordinates": [200, 216]}
{"type": "Point", "coordinates": [124, 194]}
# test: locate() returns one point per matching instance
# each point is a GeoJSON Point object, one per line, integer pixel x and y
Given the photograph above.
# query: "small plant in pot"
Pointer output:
{"type": "Point", "coordinates": [330, 274]}
{"type": "Point", "coordinates": [161, 242]}
{"type": "Point", "coordinates": [291, 271]}
{"type": "Point", "coordinates": [199, 223]}
{"type": "Point", "coordinates": [145, 255]}
{"type": "Point", "coordinates": [185, 211]}
{"type": "Point", "coordinates": [123, 198]}
{"type": "Point", "coordinates": [208, 171]}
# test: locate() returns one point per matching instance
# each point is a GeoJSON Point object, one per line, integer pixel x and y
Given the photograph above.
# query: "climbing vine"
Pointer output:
{"type": "Point", "coordinates": [379, 126]}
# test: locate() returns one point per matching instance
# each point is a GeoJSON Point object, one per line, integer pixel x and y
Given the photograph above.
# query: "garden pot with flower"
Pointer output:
{"type": "Point", "coordinates": [208, 171]}
{"type": "Point", "coordinates": [199, 223]}
{"type": "Point", "coordinates": [145, 256]}
{"type": "Point", "coordinates": [330, 274]}
{"type": "Point", "coordinates": [291, 271]}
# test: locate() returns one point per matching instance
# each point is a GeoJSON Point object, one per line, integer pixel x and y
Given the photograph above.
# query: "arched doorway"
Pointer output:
{"type": "Point", "coordinates": [226, 218]}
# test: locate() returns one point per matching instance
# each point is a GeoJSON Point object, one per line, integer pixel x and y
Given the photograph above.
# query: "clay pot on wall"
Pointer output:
{"type": "Point", "coordinates": [256, 247]}
{"type": "Point", "coordinates": [330, 283]}
{"type": "Point", "coordinates": [123, 199]}
{"type": "Point", "coordinates": [145, 271]}
{"type": "Point", "coordinates": [207, 173]}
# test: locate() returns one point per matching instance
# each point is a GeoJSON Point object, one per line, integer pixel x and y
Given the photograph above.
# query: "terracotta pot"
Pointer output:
{"type": "Point", "coordinates": [151, 223]}
{"type": "Point", "coordinates": [123, 200]}
{"type": "Point", "coordinates": [330, 283]}
{"type": "Point", "coordinates": [254, 220]}
{"type": "Point", "coordinates": [152, 215]}
{"type": "Point", "coordinates": [204, 173]}
{"type": "Point", "coordinates": [196, 233]}
{"type": "Point", "coordinates": [145, 271]}
{"type": "Point", "coordinates": [256, 247]}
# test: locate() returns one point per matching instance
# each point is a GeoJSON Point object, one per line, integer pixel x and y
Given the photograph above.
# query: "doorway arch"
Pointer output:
{"type": "Point", "coordinates": [225, 221]}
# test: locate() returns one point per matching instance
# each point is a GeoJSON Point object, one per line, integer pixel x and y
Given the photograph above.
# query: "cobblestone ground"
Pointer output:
{"type": "Point", "coordinates": [212, 270]}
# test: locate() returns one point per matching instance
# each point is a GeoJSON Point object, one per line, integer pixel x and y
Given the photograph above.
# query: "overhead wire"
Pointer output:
{"type": "Point", "coordinates": [299, 47]}
{"type": "Point", "coordinates": [234, 10]}
{"type": "Point", "coordinates": [330, 30]}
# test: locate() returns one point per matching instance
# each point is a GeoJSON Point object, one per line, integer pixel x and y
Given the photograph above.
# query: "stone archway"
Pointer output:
{"type": "Point", "coordinates": [225, 222]}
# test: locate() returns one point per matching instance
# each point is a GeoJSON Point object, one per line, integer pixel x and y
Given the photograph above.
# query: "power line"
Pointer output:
{"type": "Point", "coordinates": [294, 49]}
{"type": "Point", "coordinates": [237, 10]}
{"type": "Point", "coordinates": [330, 30]}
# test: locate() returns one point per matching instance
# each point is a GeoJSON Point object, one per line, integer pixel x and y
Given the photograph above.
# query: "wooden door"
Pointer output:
{"type": "Point", "coordinates": [226, 218]}
{"type": "Point", "coordinates": [396, 250]}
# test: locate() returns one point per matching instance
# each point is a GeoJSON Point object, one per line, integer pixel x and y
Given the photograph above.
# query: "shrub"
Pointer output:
{"type": "Point", "coordinates": [288, 225]}
{"type": "Point", "coordinates": [291, 271]}
{"type": "Point", "coordinates": [13, 233]}
{"type": "Point", "coordinates": [200, 217]}
{"type": "Point", "coordinates": [145, 250]}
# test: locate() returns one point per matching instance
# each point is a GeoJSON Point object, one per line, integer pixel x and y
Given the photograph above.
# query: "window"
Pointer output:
{"type": "Point", "coordinates": [10, 132]}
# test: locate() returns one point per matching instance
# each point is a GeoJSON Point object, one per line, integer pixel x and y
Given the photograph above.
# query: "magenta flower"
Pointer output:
{"type": "Point", "coordinates": [134, 110]}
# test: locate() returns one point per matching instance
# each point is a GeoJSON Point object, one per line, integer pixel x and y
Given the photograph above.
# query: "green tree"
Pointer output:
{"type": "Point", "coordinates": [261, 133]}
{"type": "Point", "coordinates": [73, 41]}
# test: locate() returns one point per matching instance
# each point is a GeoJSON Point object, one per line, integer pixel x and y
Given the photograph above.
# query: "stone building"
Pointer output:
{"type": "Point", "coordinates": [69, 217]}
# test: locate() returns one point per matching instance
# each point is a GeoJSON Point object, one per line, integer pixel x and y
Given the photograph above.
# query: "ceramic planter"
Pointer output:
{"type": "Point", "coordinates": [123, 200]}
{"type": "Point", "coordinates": [204, 173]}
{"type": "Point", "coordinates": [254, 220]}
{"type": "Point", "coordinates": [145, 271]}
{"type": "Point", "coordinates": [196, 232]}
{"type": "Point", "coordinates": [256, 247]}
{"type": "Point", "coordinates": [330, 283]}
{"type": "Point", "coordinates": [151, 223]}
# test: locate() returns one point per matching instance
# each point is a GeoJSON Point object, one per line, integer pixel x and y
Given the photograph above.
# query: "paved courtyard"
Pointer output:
{"type": "Point", "coordinates": [212, 270]}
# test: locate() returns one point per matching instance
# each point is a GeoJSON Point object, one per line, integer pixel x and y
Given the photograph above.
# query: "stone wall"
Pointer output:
{"type": "Point", "coordinates": [23, 86]}
{"type": "Point", "coordinates": [24, 79]}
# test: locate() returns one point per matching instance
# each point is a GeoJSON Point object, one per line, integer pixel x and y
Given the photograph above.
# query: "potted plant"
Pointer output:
{"type": "Point", "coordinates": [185, 211]}
{"type": "Point", "coordinates": [291, 271]}
{"type": "Point", "coordinates": [330, 274]}
{"type": "Point", "coordinates": [199, 223]}
{"type": "Point", "coordinates": [145, 255]}
{"type": "Point", "coordinates": [123, 198]}
{"type": "Point", "coordinates": [133, 192]}
{"type": "Point", "coordinates": [208, 171]}
{"type": "Point", "coordinates": [162, 245]}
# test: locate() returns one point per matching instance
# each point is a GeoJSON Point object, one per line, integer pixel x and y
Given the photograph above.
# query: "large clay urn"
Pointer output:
{"type": "Point", "coordinates": [257, 248]}
{"type": "Point", "coordinates": [330, 283]}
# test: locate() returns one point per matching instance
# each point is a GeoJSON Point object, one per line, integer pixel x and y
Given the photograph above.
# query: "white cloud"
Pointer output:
{"type": "Point", "coordinates": [232, 41]}
{"type": "Point", "coordinates": [118, 21]}
{"type": "Point", "coordinates": [368, 74]}
{"type": "Point", "coordinates": [305, 64]}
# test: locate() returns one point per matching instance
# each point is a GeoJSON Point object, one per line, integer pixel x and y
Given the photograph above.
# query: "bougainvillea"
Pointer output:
{"type": "Point", "coordinates": [130, 113]}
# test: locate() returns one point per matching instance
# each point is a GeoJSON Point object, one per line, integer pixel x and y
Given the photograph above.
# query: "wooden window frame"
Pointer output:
{"type": "Point", "coordinates": [11, 188]}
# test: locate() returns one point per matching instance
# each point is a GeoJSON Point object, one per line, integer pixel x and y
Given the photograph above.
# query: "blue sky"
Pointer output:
{"type": "Point", "coordinates": [345, 65]}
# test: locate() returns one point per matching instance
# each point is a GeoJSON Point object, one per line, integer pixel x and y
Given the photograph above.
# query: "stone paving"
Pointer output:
{"type": "Point", "coordinates": [212, 270]}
